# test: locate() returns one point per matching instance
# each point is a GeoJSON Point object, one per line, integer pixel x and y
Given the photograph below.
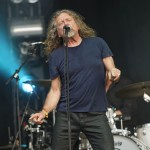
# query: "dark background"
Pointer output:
{"type": "Point", "coordinates": [124, 24]}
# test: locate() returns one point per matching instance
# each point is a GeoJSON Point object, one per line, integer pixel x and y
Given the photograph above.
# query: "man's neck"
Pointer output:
{"type": "Point", "coordinates": [74, 41]}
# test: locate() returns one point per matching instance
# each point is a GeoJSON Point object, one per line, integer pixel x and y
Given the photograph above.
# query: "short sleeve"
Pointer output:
{"type": "Point", "coordinates": [53, 69]}
{"type": "Point", "coordinates": [105, 50]}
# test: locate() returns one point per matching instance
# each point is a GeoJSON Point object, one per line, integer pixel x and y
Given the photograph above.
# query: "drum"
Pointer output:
{"type": "Point", "coordinates": [124, 143]}
{"type": "Point", "coordinates": [143, 133]}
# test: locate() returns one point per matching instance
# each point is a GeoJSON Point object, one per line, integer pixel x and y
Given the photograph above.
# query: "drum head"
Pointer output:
{"type": "Point", "coordinates": [143, 133]}
{"type": "Point", "coordinates": [124, 143]}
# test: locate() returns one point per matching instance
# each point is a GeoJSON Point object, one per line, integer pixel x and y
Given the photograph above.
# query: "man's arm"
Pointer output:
{"type": "Point", "coordinates": [112, 72]}
{"type": "Point", "coordinates": [51, 101]}
{"type": "Point", "coordinates": [53, 95]}
{"type": "Point", "coordinates": [108, 82]}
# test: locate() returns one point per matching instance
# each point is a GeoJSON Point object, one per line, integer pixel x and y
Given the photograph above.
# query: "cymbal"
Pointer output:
{"type": "Point", "coordinates": [42, 82]}
{"type": "Point", "coordinates": [9, 146]}
{"type": "Point", "coordinates": [134, 90]}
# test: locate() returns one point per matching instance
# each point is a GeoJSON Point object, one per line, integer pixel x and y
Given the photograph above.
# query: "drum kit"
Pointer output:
{"type": "Point", "coordinates": [123, 139]}
{"type": "Point", "coordinates": [40, 138]}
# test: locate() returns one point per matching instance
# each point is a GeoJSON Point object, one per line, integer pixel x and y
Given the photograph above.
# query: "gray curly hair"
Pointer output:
{"type": "Point", "coordinates": [54, 41]}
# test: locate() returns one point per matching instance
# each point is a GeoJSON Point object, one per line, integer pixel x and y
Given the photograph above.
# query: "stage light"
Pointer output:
{"type": "Point", "coordinates": [25, 86]}
{"type": "Point", "coordinates": [32, 1]}
{"type": "Point", "coordinates": [16, 1]}
{"type": "Point", "coordinates": [27, 27]}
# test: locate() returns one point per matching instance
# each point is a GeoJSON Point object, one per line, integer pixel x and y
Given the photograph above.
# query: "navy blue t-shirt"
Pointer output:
{"type": "Point", "coordinates": [86, 75]}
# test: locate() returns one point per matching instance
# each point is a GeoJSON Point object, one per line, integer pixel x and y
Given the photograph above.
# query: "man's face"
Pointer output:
{"type": "Point", "coordinates": [66, 20]}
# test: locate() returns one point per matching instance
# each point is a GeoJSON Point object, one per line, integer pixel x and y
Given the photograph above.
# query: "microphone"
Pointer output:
{"type": "Point", "coordinates": [35, 43]}
{"type": "Point", "coordinates": [66, 30]}
{"type": "Point", "coordinates": [27, 44]}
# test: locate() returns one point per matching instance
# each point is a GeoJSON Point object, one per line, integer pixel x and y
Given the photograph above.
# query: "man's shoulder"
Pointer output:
{"type": "Point", "coordinates": [94, 39]}
{"type": "Point", "coordinates": [57, 51]}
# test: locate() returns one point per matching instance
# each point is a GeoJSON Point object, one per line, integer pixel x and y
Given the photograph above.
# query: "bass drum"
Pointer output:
{"type": "Point", "coordinates": [124, 143]}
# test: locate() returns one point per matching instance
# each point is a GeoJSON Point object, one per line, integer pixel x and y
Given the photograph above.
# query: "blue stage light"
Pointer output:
{"type": "Point", "coordinates": [25, 86]}
{"type": "Point", "coordinates": [9, 60]}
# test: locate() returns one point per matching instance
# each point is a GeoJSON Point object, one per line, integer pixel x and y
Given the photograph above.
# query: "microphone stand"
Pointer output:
{"type": "Point", "coordinates": [16, 77]}
{"type": "Point", "coordinates": [66, 71]}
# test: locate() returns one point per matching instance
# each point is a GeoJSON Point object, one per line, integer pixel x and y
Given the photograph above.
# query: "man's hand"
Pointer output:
{"type": "Point", "coordinates": [114, 74]}
{"type": "Point", "coordinates": [38, 118]}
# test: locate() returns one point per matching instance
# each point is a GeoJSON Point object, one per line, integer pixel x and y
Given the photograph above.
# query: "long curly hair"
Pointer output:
{"type": "Point", "coordinates": [54, 41]}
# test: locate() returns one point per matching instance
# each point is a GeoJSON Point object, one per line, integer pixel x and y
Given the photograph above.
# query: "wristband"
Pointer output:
{"type": "Point", "coordinates": [45, 112]}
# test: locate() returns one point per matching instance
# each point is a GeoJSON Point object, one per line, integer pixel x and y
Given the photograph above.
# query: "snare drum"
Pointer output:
{"type": "Point", "coordinates": [143, 133]}
{"type": "Point", "coordinates": [124, 143]}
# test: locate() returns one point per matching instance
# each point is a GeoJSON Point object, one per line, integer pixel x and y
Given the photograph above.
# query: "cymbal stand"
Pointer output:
{"type": "Point", "coordinates": [15, 76]}
{"type": "Point", "coordinates": [21, 123]}
{"type": "Point", "coordinates": [31, 141]}
{"type": "Point", "coordinates": [53, 117]}
{"type": "Point", "coordinates": [121, 122]}
{"type": "Point", "coordinates": [9, 136]}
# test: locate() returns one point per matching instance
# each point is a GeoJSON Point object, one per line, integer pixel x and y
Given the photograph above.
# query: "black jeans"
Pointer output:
{"type": "Point", "coordinates": [94, 125]}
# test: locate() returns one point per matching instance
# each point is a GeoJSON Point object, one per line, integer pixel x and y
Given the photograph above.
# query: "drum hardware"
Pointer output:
{"type": "Point", "coordinates": [110, 116]}
{"type": "Point", "coordinates": [31, 141]}
{"type": "Point", "coordinates": [123, 132]}
{"type": "Point", "coordinates": [40, 140]}
{"type": "Point", "coordinates": [84, 143]}
{"type": "Point", "coordinates": [121, 122]}
{"type": "Point", "coordinates": [38, 137]}
{"type": "Point", "coordinates": [121, 119]}
{"type": "Point", "coordinates": [124, 118]}
{"type": "Point", "coordinates": [30, 134]}
{"type": "Point", "coordinates": [146, 97]}
{"type": "Point", "coordinates": [111, 119]}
